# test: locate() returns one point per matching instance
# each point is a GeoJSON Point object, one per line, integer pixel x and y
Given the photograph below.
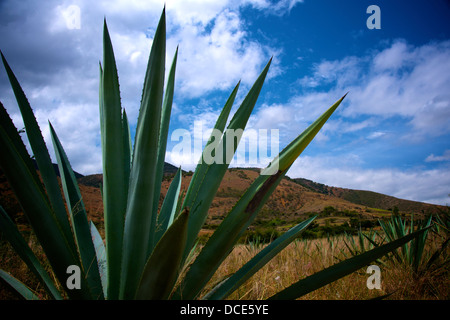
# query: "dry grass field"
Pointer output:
{"type": "Point", "coordinates": [298, 260]}
{"type": "Point", "coordinates": [306, 257]}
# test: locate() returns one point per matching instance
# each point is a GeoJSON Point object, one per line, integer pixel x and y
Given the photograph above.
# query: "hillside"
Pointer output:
{"type": "Point", "coordinates": [292, 201]}
{"type": "Point", "coordinates": [367, 198]}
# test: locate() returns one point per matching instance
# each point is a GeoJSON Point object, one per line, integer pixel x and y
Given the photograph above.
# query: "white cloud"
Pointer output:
{"type": "Point", "coordinates": [219, 59]}
{"type": "Point", "coordinates": [393, 58]}
{"type": "Point", "coordinates": [410, 82]}
{"type": "Point", "coordinates": [280, 7]}
{"type": "Point", "coordinates": [191, 12]}
{"type": "Point", "coordinates": [344, 72]}
{"type": "Point", "coordinates": [444, 157]}
{"type": "Point", "coordinates": [294, 116]}
{"type": "Point", "coordinates": [215, 51]}
{"type": "Point", "coordinates": [376, 134]}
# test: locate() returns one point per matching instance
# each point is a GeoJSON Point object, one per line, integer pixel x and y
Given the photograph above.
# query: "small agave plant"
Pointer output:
{"type": "Point", "coordinates": [147, 253]}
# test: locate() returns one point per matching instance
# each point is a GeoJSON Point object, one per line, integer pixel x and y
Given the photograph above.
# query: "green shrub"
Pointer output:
{"type": "Point", "coordinates": [328, 211]}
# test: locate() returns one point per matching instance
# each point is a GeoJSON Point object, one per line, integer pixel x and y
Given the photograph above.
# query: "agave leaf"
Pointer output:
{"type": "Point", "coordinates": [389, 232]}
{"type": "Point", "coordinates": [437, 254]}
{"type": "Point", "coordinates": [384, 296]}
{"type": "Point", "coordinates": [169, 206]}
{"type": "Point", "coordinates": [16, 164]}
{"type": "Point", "coordinates": [361, 240]}
{"type": "Point", "coordinates": [78, 216]}
{"type": "Point", "coordinates": [202, 167]}
{"type": "Point", "coordinates": [245, 210]}
{"type": "Point", "coordinates": [101, 105]}
{"type": "Point", "coordinates": [17, 285]}
{"type": "Point", "coordinates": [115, 163]}
{"type": "Point", "coordinates": [353, 250]}
{"type": "Point", "coordinates": [222, 241]}
{"type": "Point", "coordinates": [42, 157]}
{"type": "Point", "coordinates": [418, 245]}
{"type": "Point", "coordinates": [200, 198]}
{"type": "Point", "coordinates": [100, 252]}
{"type": "Point", "coordinates": [127, 149]}
{"type": "Point", "coordinates": [340, 270]}
{"type": "Point", "coordinates": [257, 262]}
{"type": "Point", "coordinates": [386, 230]}
{"type": "Point", "coordinates": [296, 147]}
{"type": "Point", "coordinates": [164, 131]}
{"type": "Point", "coordinates": [194, 195]}
{"type": "Point", "coordinates": [161, 269]}
{"type": "Point", "coordinates": [403, 230]}
{"type": "Point", "coordinates": [140, 219]}
{"type": "Point", "coordinates": [10, 231]}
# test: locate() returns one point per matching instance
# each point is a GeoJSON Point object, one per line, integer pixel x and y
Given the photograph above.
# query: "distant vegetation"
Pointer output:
{"type": "Point", "coordinates": [330, 222]}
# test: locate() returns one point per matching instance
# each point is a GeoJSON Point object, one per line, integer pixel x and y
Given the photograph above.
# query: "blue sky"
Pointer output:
{"type": "Point", "coordinates": [390, 135]}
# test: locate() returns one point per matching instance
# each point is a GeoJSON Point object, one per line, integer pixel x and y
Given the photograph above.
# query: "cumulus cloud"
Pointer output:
{"type": "Point", "coordinates": [219, 59]}
{"type": "Point", "coordinates": [410, 82]}
{"type": "Point", "coordinates": [342, 72]}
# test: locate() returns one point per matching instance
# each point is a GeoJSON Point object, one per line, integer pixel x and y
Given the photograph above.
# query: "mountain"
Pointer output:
{"type": "Point", "coordinates": [95, 180]}
{"type": "Point", "coordinates": [55, 167]}
{"type": "Point", "coordinates": [169, 169]}
{"type": "Point", "coordinates": [292, 201]}
{"type": "Point", "coordinates": [366, 198]}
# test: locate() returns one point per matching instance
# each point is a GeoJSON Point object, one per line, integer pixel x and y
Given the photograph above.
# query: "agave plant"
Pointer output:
{"type": "Point", "coordinates": [146, 253]}
{"type": "Point", "coordinates": [413, 254]}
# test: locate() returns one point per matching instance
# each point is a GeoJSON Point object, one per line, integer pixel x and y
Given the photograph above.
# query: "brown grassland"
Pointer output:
{"type": "Point", "coordinates": [306, 257]}
{"type": "Point", "coordinates": [300, 259]}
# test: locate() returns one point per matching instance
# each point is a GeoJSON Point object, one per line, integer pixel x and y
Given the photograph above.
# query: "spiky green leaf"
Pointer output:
{"type": "Point", "coordinates": [100, 252]}
{"type": "Point", "coordinates": [18, 286]}
{"type": "Point", "coordinates": [10, 231]}
{"type": "Point", "coordinates": [161, 269]}
{"type": "Point", "coordinates": [42, 157]}
{"type": "Point", "coordinates": [169, 206]}
{"type": "Point", "coordinates": [140, 218]}
{"type": "Point", "coordinates": [164, 131]}
{"type": "Point", "coordinates": [79, 219]}
{"type": "Point", "coordinates": [194, 196]}
{"type": "Point", "coordinates": [222, 152]}
{"type": "Point", "coordinates": [115, 163]}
